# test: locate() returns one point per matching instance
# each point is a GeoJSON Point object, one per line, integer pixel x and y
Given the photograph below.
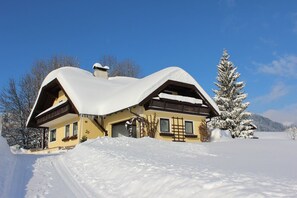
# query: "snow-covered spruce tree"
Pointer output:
{"type": "Point", "coordinates": [292, 131]}
{"type": "Point", "coordinates": [230, 99]}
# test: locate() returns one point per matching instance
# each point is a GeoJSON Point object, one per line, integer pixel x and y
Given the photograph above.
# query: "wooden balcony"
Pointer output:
{"type": "Point", "coordinates": [195, 109]}
{"type": "Point", "coordinates": [53, 113]}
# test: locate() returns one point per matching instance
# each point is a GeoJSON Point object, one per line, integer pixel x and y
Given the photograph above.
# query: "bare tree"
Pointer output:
{"type": "Point", "coordinates": [151, 124]}
{"type": "Point", "coordinates": [17, 100]}
{"type": "Point", "coordinates": [13, 112]}
{"type": "Point", "coordinates": [120, 68]}
{"type": "Point", "coordinates": [110, 61]}
{"type": "Point", "coordinates": [42, 68]}
{"type": "Point", "coordinates": [204, 133]}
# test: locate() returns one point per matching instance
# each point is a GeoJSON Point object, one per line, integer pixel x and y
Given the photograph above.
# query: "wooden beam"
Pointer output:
{"type": "Point", "coordinates": [101, 127]}
{"type": "Point", "coordinates": [190, 87]}
{"type": "Point", "coordinates": [178, 107]}
{"type": "Point", "coordinates": [53, 114]}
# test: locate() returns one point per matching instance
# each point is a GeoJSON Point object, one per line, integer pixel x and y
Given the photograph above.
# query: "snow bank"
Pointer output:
{"type": "Point", "coordinates": [272, 135]}
{"type": "Point", "coordinates": [7, 161]}
{"type": "Point", "coordinates": [128, 167]}
{"type": "Point", "coordinates": [219, 135]}
{"type": "Point", "coordinates": [146, 167]}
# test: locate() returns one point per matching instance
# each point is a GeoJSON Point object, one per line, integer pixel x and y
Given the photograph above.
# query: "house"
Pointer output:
{"type": "Point", "coordinates": [74, 104]}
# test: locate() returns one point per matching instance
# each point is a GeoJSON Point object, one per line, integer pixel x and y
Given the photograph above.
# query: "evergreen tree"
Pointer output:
{"type": "Point", "coordinates": [230, 99]}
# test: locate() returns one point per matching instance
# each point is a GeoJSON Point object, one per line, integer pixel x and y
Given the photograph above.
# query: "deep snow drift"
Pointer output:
{"type": "Point", "coordinates": [7, 160]}
{"type": "Point", "coordinates": [127, 167]}
{"type": "Point", "coordinates": [15, 171]}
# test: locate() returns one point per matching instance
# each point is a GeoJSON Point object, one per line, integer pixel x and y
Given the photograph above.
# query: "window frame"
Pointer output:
{"type": "Point", "coordinates": [165, 119]}
{"type": "Point", "coordinates": [67, 126]}
{"type": "Point", "coordinates": [53, 131]}
{"type": "Point", "coordinates": [73, 128]}
{"type": "Point", "coordinates": [189, 121]}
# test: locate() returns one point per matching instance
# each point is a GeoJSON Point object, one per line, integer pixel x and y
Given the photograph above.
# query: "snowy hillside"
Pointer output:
{"type": "Point", "coordinates": [127, 167]}
{"type": "Point", "coordinates": [265, 124]}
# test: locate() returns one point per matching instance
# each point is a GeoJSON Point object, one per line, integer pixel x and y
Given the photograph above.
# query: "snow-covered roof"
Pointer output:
{"type": "Point", "coordinates": [99, 96]}
{"type": "Point", "coordinates": [180, 98]}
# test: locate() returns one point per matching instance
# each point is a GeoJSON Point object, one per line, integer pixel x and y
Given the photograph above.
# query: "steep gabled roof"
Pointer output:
{"type": "Point", "coordinates": [98, 96]}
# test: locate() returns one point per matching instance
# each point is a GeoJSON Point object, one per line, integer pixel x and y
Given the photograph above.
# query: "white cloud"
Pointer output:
{"type": "Point", "coordinates": [286, 115]}
{"type": "Point", "coordinates": [285, 66]}
{"type": "Point", "coordinates": [279, 90]}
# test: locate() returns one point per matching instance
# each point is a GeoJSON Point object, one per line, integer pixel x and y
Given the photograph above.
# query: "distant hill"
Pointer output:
{"type": "Point", "coordinates": [265, 124]}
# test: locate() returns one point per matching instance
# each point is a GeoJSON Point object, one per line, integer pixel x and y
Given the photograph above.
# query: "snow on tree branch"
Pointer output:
{"type": "Point", "coordinates": [230, 97]}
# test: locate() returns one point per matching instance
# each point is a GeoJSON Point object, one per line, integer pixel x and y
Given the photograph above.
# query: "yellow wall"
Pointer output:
{"type": "Point", "coordinates": [61, 97]}
{"type": "Point", "coordinates": [168, 115]}
{"type": "Point", "coordinates": [116, 118]}
{"type": "Point", "coordinates": [60, 134]}
{"type": "Point", "coordinates": [86, 126]}
{"type": "Point", "coordinates": [126, 115]}
{"type": "Point", "coordinates": [89, 128]}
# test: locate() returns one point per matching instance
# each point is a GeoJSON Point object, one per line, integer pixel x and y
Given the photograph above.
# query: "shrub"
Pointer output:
{"type": "Point", "coordinates": [84, 138]}
{"type": "Point", "coordinates": [204, 133]}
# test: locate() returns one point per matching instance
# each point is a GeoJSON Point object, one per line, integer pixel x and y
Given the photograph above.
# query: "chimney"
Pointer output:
{"type": "Point", "coordinates": [100, 71]}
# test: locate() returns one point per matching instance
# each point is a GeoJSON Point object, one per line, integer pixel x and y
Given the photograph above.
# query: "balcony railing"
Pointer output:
{"type": "Point", "coordinates": [53, 113]}
{"type": "Point", "coordinates": [178, 107]}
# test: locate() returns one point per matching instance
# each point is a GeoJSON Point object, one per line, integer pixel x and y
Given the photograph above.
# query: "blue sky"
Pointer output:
{"type": "Point", "coordinates": [261, 37]}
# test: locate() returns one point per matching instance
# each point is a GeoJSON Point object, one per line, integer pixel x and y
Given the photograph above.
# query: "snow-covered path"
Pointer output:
{"type": "Point", "coordinates": [15, 172]}
{"type": "Point", "coordinates": [52, 177]}
{"type": "Point", "coordinates": [20, 175]}
{"type": "Point", "coordinates": [68, 180]}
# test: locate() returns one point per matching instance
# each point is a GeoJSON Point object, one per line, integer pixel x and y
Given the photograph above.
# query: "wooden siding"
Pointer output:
{"type": "Point", "coordinates": [54, 113]}
{"type": "Point", "coordinates": [178, 107]}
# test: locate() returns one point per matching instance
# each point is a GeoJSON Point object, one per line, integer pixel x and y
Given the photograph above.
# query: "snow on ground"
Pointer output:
{"type": "Point", "coordinates": [15, 171]}
{"type": "Point", "coordinates": [273, 135]}
{"type": "Point", "coordinates": [7, 160]}
{"type": "Point", "coordinates": [127, 167]}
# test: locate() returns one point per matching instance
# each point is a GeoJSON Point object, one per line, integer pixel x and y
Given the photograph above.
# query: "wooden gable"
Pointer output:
{"type": "Point", "coordinates": [45, 110]}
{"type": "Point", "coordinates": [183, 90]}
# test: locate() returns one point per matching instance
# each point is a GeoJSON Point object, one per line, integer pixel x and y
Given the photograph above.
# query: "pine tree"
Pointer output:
{"type": "Point", "coordinates": [230, 99]}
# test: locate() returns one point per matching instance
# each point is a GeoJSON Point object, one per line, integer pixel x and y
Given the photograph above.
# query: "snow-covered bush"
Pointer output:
{"type": "Point", "coordinates": [292, 131]}
{"type": "Point", "coordinates": [218, 135]}
{"type": "Point", "coordinates": [84, 138]}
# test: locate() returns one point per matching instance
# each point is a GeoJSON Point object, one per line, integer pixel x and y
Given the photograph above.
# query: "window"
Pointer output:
{"type": "Point", "coordinates": [53, 135]}
{"type": "Point", "coordinates": [189, 127]}
{"type": "Point", "coordinates": [75, 128]}
{"type": "Point", "coordinates": [67, 130]}
{"type": "Point", "coordinates": [164, 125]}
